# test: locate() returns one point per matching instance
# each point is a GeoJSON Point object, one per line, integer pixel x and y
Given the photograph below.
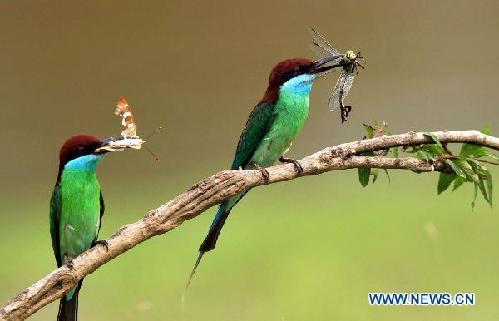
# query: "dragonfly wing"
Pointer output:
{"type": "Point", "coordinates": [347, 82]}
{"type": "Point", "coordinates": [341, 89]}
{"type": "Point", "coordinates": [334, 98]}
{"type": "Point", "coordinates": [318, 51]}
{"type": "Point", "coordinates": [320, 45]}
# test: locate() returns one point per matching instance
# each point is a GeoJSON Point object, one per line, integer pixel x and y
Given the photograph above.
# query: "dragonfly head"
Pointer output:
{"type": "Point", "coordinates": [351, 55]}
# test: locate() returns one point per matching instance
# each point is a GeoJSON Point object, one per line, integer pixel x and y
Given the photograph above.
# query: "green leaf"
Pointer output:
{"type": "Point", "coordinates": [481, 173]}
{"type": "Point", "coordinates": [489, 186]}
{"type": "Point", "coordinates": [486, 130]}
{"type": "Point", "coordinates": [374, 174]}
{"type": "Point", "coordinates": [468, 150]}
{"type": "Point", "coordinates": [433, 137]}
{"type": "Point", "coordinates": [369, 130]}
{"type": "Point", "coordinates": [456, 168]}
{"type": "Point", "coordinates": [474, 196]}
{"type": "Point", "coordinates": [395, 152]}
{"type": "Point", "coordinates": [387, 175]}
{"type": "Point", "coordinates": [444, 181]}
{"type": "Point", "coordinates": [481, 186]}
{"type": "Point", "coordinates": [423, 155]}
{"type": "Point", "coordinates": [434, 150]}
{"type": "Point", "coordinates": [364, 173]}
{"type": "Point", "coordinates": [458, 181]}
{"type": "Point", "coordinates": [466, 166]}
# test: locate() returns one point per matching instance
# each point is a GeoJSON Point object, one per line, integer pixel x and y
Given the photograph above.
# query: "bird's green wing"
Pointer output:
{"type": "Point", "coordinates": [55, 214]}
{"type": "Point", "coordinates": [257, 126]}
{"type": "Point", "coordinates": [102, 210]}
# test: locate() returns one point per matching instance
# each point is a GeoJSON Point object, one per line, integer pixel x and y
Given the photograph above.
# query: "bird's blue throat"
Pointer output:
{"type": "Point", "coordinates": [87, 162]}
{"type": "Point", "coordinates": [300, 85]}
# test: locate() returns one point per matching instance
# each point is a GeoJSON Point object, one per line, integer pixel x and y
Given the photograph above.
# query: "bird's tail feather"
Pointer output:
{"type": "Point", "coordinates": [216, 226]}
{"type": "Point", "coordinates": [212, 237]}
{"type": "Point", "coordinates": [68, 309]}
{"type": "Point", "coordinates": [198, 260]}
{"type": "Point", "coordinates": [209, 242]}
{"type": "Point", "coordinates": [218, 222]}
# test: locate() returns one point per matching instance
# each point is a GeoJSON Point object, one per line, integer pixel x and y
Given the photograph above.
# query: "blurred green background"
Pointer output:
{"type": "Point", "coordinates": [310, 249]}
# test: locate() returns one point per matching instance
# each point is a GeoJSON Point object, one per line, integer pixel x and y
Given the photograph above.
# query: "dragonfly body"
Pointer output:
{"type": "Point", "coordinates": [349, 62]}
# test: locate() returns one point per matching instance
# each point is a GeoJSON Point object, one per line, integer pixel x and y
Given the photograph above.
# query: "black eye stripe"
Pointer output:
{"type": "Point", "coordinates": [288, 75]}
{"type": "Point", "coordinates": [294, 72]}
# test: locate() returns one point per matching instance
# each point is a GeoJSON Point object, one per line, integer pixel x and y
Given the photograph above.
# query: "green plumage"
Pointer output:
{"type": "Point", "coordinates": [290, 114]}
{"type": "Point", "coordinates": [76, 208]}
{"type": "Point", "coordinates": [258, 124]}
{"type": "Point", "coordinates": [269, 132]}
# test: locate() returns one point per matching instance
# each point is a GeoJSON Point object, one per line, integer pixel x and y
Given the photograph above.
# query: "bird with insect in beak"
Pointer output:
{"type": "Point", "coordinates": [77, 206]}
{"type": "Point", "coordinates": [271, 128]}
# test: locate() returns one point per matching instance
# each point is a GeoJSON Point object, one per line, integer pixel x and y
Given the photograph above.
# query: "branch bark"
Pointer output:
{"type": "Point", "coordinates": [217, 188]}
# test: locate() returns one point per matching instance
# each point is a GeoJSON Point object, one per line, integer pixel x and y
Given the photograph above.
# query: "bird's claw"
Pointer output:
{"type": "Point", "coordinates": [265, 174]}
{"type": "Point", "coordinates": [296, 164]}
{"type": "Point", "coordinates": [103, 243]}
{"type": "Point", "coordinates": [69, 263]}
{"type": "Point", "coordinates": [263, 171]}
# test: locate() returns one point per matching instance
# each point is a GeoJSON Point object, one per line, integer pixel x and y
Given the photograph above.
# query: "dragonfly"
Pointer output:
{"type": "Point", "coordinates": [349, 63]}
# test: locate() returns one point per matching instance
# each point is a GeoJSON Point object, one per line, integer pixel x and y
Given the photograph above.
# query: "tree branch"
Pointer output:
{"type": "Point", "coordinates": [215, 189]}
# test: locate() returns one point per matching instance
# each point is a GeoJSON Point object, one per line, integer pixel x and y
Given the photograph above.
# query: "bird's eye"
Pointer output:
{"type": "Point", "coordinates": [81, 148]}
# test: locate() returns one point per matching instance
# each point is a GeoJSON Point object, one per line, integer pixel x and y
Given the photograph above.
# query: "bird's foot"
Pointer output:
{"type": "Point", "coordinates": [103, 243]}
{"type": "Point", "coordinates": [265, 174]}
{"type": "Point", "coordinates": [298, 167]}
{"type": "Point", "coordinates": [69, 263]}
{"type": "Point", "coordinates": [263, 171]}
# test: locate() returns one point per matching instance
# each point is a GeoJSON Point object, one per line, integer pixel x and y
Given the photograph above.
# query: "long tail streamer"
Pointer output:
{"type": "Point", "coordinates": [198, 260]}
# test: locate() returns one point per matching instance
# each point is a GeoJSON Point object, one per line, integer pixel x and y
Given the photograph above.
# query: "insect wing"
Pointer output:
{"type": "Point", "coordinates": [341, 89]}
{"type": "Point", "coordinates": [127, 121]}
{"type": "Point", "coordinates": [121, 106]}
{"type": "Point", "coordinates": [347, 83]}
{"type": "Point", "coordinates": [320, 45]}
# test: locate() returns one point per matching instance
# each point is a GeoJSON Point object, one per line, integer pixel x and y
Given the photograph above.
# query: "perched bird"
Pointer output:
{"type": "Point", "coordinates": [271, 128]}
{"type": "Point", "coordinates": [77, 206]}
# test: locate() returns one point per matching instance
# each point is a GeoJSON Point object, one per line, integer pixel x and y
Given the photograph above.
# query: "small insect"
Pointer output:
{"type": "Point", "coordinates": [128, 137]}
{"type": "Point", "coordinates": [349, 62]}
{"type": "Point", "coordinates": [129, 131]}
{"type": "Point", "coordinates": [127, 121]}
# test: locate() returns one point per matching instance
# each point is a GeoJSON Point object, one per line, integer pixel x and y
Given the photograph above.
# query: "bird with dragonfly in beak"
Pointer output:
{"type": "Point", "coordinates": [271, 128]}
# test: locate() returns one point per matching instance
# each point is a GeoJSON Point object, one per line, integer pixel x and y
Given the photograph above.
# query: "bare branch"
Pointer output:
{"type": "Point", "coordinates": [217, 188]}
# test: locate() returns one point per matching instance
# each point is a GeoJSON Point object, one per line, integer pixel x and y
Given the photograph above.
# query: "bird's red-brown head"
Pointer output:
{"type": "Point", "coordinates": [77, 146]}
{"type": "Point", "coordinates": [288, 69]}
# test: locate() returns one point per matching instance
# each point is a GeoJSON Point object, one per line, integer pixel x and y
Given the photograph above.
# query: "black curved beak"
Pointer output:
{"type": "Point", "coordinates": [104, 146]}
{"type": "Point", "coordinates": [327, 63]}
